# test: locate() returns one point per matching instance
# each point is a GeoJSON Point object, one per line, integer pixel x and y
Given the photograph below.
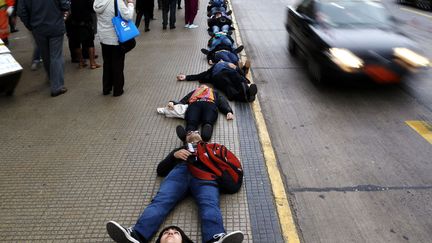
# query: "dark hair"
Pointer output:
{"type": "Point", "coordinates": [185, 239]}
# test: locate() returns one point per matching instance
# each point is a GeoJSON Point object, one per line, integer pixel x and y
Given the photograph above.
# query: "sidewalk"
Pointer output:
{"type": "Point", "coordinates": [71, 163]}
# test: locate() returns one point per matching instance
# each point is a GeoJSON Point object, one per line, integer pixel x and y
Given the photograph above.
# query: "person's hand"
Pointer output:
{"type": "Point", "coordinates": [65, 15]}
{"type": "Point", "coordinates": [170, 105]}
{"type": "Point", "coordinates": [182, 154]}
{"type": "Point", "coordinates": [181, 77]}
{"type": "Point", "coordinates": [232, 65]}
{"type": "Point", "coordinates": [230, 116]}
{"type": "Point", "coordinates": [10, 10]}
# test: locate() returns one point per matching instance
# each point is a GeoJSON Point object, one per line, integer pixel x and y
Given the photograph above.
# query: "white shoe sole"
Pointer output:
{"type": "Point", "coordinates": [233, 237]}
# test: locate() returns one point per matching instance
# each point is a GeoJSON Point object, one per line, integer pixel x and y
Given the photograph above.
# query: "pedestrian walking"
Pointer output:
{"type": "Point", "coordinates": [112, 53]}
{"type": "Point", "coordinates": [144, 7]}
{"type": "Point", "coordinates": [45, 19]}
{"type": "Point", "coordinates": [191, 10]}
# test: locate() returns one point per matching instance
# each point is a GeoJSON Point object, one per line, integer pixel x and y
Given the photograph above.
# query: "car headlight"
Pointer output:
{"type": "Point", "coordinates": [345, 59]}
{"type": "Point", "coordinates": [410, 57]}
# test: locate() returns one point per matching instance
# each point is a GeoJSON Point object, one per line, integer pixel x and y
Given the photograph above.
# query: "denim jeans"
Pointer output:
{"type": "Point", "coordinates": [173, 189]}
{"type": "Point", "coordinates": [226, 56]}
{"type": "Point", "coordinates": [216, 29]}
{"type": "Point", "coordinates": [51, 48]}
{"type": "Point", "coordinates": [221, 40]}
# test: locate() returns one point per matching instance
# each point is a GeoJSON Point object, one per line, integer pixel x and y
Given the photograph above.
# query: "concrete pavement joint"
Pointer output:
{"type": "Point", "coordinates": [359, 188]}
{"type": "Point", "coordinates": [286, 219]}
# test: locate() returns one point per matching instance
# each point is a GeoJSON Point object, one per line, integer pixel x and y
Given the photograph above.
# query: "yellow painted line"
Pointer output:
{"type": "Point", "coordinates": [416, 12]}
{"type": "Point", "coordinates": [286, 220]}
{"type": "Point", "coordinates": [422, 128]}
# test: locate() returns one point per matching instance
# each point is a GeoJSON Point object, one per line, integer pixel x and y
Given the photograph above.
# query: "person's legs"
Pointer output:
{"type": "Point", "coordinates": [193, 116]}
{"type": "Point", "coordinates": [173, 189]}
{"type": "Point", "coordinates": [215, 29]}
{"type": "Point", "coordinates": [42, 43]}
{"type": "Point", "coordinates": [193, 10]}
{"type": "Point", "coordinates": [138, 18]}
{"type": "Point", "coordinates": [206, 195]}
{"type": "Point", "coordinates": [172, 10]}
{"type": "Point", "coordinates": [165, 10]}
{"type": "Point", "coordinates": [209, 116]}
{"type": "Point", "coordinates": [178, 4]}
{"type": "Point", "coordinates": [56, 63]}
{"type": "Point", "coordinates": [148, 14]}
{"type": "Point", "coordinates": [187, 11]}
{"type": "Point", "coordinates": [107, 78]}
{"type": "Point", "coordinates": [225, 28]}
{"type": "Point", "coordinates": [117, 70]}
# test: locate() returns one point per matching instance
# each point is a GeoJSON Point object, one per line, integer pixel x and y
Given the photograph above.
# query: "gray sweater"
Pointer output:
{"type": "Point", "coordinates": [44, 17]}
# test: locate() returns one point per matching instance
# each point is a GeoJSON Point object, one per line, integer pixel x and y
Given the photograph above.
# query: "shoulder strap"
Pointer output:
{"type": "Point", "coordinates": [116, 10]}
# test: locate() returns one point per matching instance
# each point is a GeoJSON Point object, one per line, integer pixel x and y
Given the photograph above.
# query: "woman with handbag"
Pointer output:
{"type": "Point", "coordinates": [112, 53]}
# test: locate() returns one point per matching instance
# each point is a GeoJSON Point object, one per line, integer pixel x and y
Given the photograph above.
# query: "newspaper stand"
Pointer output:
{"type": "Point", "coordinates": [10, 71]}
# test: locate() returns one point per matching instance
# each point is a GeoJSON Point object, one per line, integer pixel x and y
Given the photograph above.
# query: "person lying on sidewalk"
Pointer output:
{"type": "Point", "coordinates": [173, 234]}
{"type": "Point", "coordinates": [204, 103]}
{"type": "Point", "coordinates": [228, 78]}
{"type": "Point", "coordinates": [221, 41]}
{"type": "Point", "coordinates": [178, 183]}
{"type": "Point", "coordinates": [219, 22]}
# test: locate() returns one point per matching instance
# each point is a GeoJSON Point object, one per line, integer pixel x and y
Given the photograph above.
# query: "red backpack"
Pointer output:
{"type": "Point", "coordinates": [216, 162]}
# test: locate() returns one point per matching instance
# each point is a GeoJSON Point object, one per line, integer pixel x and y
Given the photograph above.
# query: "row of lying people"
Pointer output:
{"type": "Point", "coordinates": [199, 107]}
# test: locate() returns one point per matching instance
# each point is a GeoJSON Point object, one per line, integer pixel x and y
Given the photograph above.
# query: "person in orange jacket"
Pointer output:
{"type": "Point", "coordinates": [6, 9]}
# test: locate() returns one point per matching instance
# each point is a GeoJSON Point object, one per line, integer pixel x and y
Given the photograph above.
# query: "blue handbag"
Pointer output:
{"type": "Point", "coordinates": [125, 30]}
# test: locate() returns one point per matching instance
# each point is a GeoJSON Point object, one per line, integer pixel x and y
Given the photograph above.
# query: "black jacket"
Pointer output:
{"type": "Point", "coordinates": [166, 165]}
{"type": "Point", "coordinates": [220, 102]}
{"type": "Point", "coordinates": [44, 17]}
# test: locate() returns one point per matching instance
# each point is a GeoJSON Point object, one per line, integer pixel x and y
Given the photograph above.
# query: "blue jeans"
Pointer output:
{"type": "Point", "coordinates": [216, 29]}
{"type": "Point", "coordinates": [51, 48]}
{"type": "Point", "coordinates": [226, 56]}
{"type": "Point", "coordinates": [173, 189]}
{"type": "Point", "coordinates": [221, 40]}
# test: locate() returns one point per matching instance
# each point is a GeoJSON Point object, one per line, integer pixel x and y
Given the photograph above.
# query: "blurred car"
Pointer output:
{"type": "Point", "coordinates": [349, 39]}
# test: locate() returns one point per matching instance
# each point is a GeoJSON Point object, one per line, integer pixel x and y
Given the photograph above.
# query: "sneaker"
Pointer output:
{"type": "Point", "coordinates": [239, 49]}
{"type": "Point", "coordinates": [172, 27]}
{"type": "Point", "coordinates": [229, 12]}
{"type": "Point", "coordinates": [35, 65]}
{"type": "Point", "coordinates": [160, 110]}
{"type": "Point", "coordinates": [187, 26]}
{"type": "Point", "coordinates": [181, 132]}
{"type": "Point", "coordinates": [233, 237]}
{"type": "Point", "coordinates": [205, 51]}
{"type": "Point", "coordinates": [121, 234]}
{"type": "Point", "coordinates": [164, 27]}
{"type": "Point", "coordinates": [59, 92]}
{"type": "Point", "coordinates": [206, 132]}
{"type": "Point", "coordinates": [193, 26]}
{"type": "Point", "coordinates": [253, 90]}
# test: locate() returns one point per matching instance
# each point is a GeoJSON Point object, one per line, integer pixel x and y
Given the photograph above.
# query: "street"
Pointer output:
{"type": "Point", "coordinates": [353, 168]}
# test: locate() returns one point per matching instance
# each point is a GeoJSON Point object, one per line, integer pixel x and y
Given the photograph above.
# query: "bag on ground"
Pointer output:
{"type": "Point", "coordinates": [216, 162]}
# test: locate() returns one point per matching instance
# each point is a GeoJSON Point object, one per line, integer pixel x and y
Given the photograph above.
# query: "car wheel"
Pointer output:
{"type": "Point", "coordinates": [315, 71]}
{"type": "Point", "coordinates": [292, 46]}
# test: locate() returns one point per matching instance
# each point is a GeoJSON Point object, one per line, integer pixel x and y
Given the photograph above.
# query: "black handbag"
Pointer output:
{"type": "Point", "coordinates": [128, 45]}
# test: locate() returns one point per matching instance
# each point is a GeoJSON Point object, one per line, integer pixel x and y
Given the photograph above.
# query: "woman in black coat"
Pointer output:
{"type": "Point", "coordinates": [144, 7]}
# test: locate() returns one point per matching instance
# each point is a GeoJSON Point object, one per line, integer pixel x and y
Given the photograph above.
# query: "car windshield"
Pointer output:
{"type": "Point", "coordinates": [352, 14]}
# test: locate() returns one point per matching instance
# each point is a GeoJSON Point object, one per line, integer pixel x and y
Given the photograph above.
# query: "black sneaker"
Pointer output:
{"type": "Point", "coordinates": [206, 132]}
{"type": "Point", "coordinates": [229, 12]}
{"type": "Point", "coordinates": [121, 234]}
{"type": "Point", "coordinates": [233, 237]}
{"type": "Point", "coordinates": [239, 49]}
{"type": "Point", "coordinates": [205, 51]}
{"type": "Point", "coordinates": [164, 27]}
{"type": "Point", "coordinates": [253, 90]}
{"type": "Point", "coordinates": [181, 132]}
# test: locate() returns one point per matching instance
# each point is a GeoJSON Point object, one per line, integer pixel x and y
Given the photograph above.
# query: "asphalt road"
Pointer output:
{"type": "Point", "coordinates": [354, 170]}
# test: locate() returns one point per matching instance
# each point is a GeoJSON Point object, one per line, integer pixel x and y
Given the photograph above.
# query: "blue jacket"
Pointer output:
{"type": "Point", "coordinates": [44, 17]}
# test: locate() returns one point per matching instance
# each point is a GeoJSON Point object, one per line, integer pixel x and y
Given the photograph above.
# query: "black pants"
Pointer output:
{"type": "Point", "coordinates": [113, 66]}
{"type": "Point", "coordinates": [233, 84]}
{"type": "Point", "coordinates": [200, 112]}
{"type": "Point", "coordinates": [169, 6]}
{"type": "Point", "coordinates": [147, 16]}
